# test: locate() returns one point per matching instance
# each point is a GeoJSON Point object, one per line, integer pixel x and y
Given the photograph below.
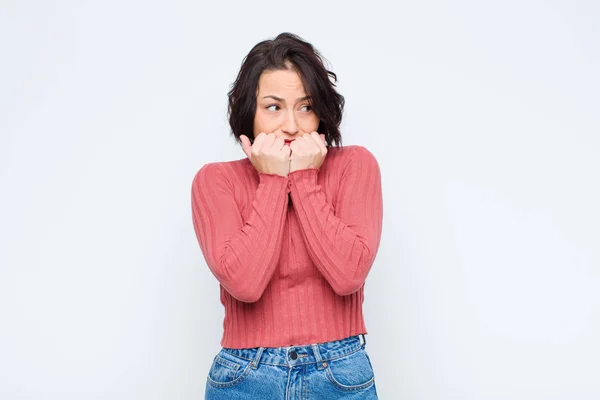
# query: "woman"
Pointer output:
{"type": "Point", "coordinates": [290, 232]}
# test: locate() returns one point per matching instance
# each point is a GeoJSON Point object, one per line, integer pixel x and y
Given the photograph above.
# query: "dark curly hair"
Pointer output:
{"type": "Point", "coordinates": [286, 52]}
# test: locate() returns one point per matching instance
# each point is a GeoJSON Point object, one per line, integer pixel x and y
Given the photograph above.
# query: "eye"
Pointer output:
{"type": "Point", "coordinates": [308, 108]}
{"type": "Point", "coordinates": [272, 105]}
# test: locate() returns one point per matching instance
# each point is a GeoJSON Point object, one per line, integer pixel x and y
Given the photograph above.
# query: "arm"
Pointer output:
{"type": "Point", "coordinates": [242, 256]}
{"type": "Point", "coordinates": [342, 242]}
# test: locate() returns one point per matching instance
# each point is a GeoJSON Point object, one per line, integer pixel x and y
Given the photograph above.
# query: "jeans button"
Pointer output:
{"type": "Point", "coordinates": [293, 355]}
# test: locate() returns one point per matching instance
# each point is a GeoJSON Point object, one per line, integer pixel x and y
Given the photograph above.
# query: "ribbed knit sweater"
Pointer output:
{"type": "Point", "coordinates": [291, 254]}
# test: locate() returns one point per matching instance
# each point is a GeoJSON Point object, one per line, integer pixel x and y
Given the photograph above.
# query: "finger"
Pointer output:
{"type": "Point", "coordinates": [287, 150]}
{"type": "Point", "coordinates": [299, 143]}
{"type": "Point", "coordinates": [318, 141]}
{"type": "Point", "coordinates": [269, 141]}
{"type": "Point", "coordinates": [258, 142]}
{"type": "Point", "coordinates": [246, 145]}
{"type": "Point", "coordinates": [323, 138]}
{"type": "Point", "coordinates": [278, 143]}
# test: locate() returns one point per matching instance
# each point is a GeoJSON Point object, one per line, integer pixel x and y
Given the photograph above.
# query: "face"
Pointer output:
{"type": "Point", "coordinates": [282, 107]}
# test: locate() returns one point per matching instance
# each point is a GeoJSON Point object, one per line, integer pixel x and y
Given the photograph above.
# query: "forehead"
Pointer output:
{"type": "Point", "coordinates": [280, 82]}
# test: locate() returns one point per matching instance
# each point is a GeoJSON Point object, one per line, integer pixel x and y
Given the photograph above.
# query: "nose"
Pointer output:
{"type": "Point", "coordinates": [290, 127]}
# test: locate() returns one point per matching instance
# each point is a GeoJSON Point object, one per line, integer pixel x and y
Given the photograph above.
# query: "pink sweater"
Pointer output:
{"type": "Point", "coordinates": [291, 253]}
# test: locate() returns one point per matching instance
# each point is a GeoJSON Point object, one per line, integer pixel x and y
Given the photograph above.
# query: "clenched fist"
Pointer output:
{"type": "Point", "coordinates": [269, 154]}
{"type": "Point", "coordinates": [308, 151]}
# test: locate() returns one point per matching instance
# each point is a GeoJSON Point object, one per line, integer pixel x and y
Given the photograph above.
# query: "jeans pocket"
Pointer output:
{"type": "Point", "coordinates": [227, 370]}
{"type": "Point", "coordinates": [351, 372]}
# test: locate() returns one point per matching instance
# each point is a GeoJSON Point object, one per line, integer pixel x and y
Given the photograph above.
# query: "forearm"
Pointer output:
{"type": "Point", "coordinates": [342, 247]}
{"type": "Point", "coordinates": [243, 255]}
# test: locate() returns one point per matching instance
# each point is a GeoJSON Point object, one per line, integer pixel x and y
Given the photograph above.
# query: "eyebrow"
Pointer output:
{"type": "Point", "coordinates": [280, 99]}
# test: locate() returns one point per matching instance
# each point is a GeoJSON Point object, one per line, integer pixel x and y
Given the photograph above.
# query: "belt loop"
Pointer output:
{"type": "Point", "coordinates": [319, 360]}
{"type": "Point", "coordinates": [364, 339]}
{"type": "Point", "coordinates": [254, 363]}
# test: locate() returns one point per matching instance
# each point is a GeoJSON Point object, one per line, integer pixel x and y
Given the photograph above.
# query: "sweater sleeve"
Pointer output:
{"type": "Point", "coordinates": [342, 242]}
{"type": "Point", "coordinates": [241, 255]}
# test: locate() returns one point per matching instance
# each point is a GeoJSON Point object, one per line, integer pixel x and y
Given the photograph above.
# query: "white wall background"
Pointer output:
{"type": "Point", "coordinates": [485, 119]}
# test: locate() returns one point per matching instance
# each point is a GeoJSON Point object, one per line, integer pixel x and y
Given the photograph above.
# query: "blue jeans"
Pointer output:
{"type": "Point", "coordinates": [340, 369]}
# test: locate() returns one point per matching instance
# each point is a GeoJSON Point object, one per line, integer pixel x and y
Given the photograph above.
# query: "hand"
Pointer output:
{"type": "Point", "coordinates": [308, 151]}
{"type": "Point", "coordinates": [269, 154]}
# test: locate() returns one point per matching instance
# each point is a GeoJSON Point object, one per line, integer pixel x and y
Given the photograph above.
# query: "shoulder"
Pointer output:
{"type": "Point", "coordinates": [208, 175]}
{"type": "Point", "coordinates": [221, 172]}
{"type": "Point", "coordinates": [354, 151]}
{"type": "Point", "coordinates": [354, 156]}
{"type": "Point", "coordinates": [225, 168]}
{"type": "Point", "coordinates": [208, 170]}
{"type": "Point", "coordinates": [361, 153]}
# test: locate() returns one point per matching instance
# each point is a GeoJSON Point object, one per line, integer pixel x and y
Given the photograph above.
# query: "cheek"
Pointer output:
{"type": "Point", "coordinates": [263, 122]}
{"type": "Point", "coordinates": [311, 123]}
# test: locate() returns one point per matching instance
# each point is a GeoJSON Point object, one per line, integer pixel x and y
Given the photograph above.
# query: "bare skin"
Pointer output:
{"type": "Point", "coordinates": [283, 110]}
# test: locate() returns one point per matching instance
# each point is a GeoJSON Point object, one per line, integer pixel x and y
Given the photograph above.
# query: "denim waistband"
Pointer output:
{"type": "Point", "coordinates": [318, 353]}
